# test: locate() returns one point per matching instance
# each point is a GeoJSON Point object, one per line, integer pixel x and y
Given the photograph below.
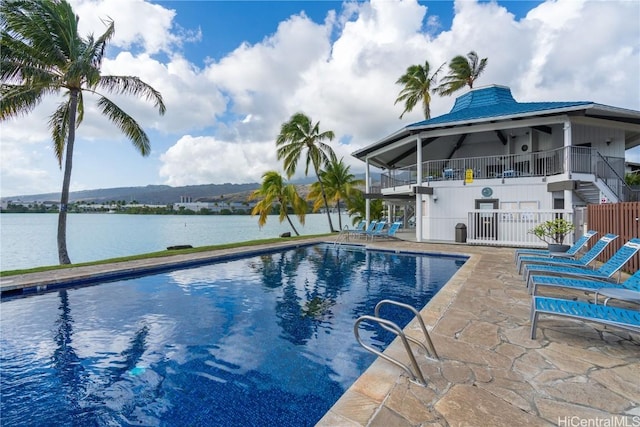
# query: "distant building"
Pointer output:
{"type": "Point", "coordinates": [215, 207]}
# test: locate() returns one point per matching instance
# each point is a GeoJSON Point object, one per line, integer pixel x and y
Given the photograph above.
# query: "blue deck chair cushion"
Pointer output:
{"type": "Point", "coordinates": [632, 283]}
{"type": "Point", "coordinates": [613, 316]}
{"type": "Point", "coordinates": [389, 233]}
{"type": "Point", "coordinates": [377, 229]}
{"type": "Point", "coordinates": [605, 272]}
{"type": "Point", "coordinates": [583, 261]}
{"type": "Point", "coordinates": [573, 250]}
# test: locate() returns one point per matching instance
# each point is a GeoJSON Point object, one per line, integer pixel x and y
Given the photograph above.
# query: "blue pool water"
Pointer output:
{"type": "Point", "coordinates": [265, 340]}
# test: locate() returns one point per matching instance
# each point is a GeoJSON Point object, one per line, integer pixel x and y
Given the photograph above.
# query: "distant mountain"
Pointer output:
{"type": "Point", "coordinates": [165, 194]}
{"type": "Point", "coordinates": [151, 194]}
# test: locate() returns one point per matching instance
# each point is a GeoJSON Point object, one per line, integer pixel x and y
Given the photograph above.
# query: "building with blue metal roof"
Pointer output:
{"type": "Point", "coordinates": [522, 161]}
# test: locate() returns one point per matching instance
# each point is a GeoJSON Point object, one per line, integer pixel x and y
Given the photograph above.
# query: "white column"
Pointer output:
{"type": "Point", "coordinates": [367, 188]}
{"type": "Point", "coordinates": [568, 200]}
{"type": "Point", "coordinates": [568, 194]}
{"type": "Point", "coordinates": [419, 196]}
{"type": "Point", "coordinates": [567, 151]}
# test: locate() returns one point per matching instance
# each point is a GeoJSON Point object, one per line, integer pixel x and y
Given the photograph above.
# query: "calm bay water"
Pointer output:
{"type": "Point", "coordinates": [29, 240]}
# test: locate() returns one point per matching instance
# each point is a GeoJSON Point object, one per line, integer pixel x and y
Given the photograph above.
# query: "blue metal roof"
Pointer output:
{"type": "Point", "coordinates": [492, 102]}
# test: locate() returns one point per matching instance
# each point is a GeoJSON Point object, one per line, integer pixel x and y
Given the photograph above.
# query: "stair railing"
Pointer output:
{"type": "Point", "coordinates": [608, 175]}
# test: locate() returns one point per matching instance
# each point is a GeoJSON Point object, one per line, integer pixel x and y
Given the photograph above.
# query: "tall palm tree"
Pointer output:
{"type": "Point", "coordinates": [417, 88]}
{"type": "Point", "coordinates": [297, 135]}
{"type": "Point", "coordinates": [274, 190]}
{"type": "Point", "coordinates": [462, 72]}
{"type": "Point", "coordinates": [338, 183]}
{"type": "Point", "coordinates": [41, 53]}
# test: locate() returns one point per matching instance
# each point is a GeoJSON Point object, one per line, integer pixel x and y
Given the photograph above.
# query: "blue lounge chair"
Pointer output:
{"type": "Point", "coordinates": [357, 229]}
{"type": "Point", "coordinates": [363, 232]}
{"type": "Point", "coordinates": [583, 261]}
{"type": "Point", "coordinates": [605, 272]}
{"type": "Point", "coordinates": [584, 285]}
{"type": "Point", "coordinates": [573, 250]}
{"type": "Point", "coordinates": [376, 230]}
{"type": "Point", "coordinates": [391, 232]}
{"type": "Point", "coordinates": [612, 316]}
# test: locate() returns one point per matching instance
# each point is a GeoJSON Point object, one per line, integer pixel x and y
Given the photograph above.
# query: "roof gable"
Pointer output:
{"type": "Point", "coordinates": [483, 98]}
{"type": "Point", "coordinates": [493, 102]}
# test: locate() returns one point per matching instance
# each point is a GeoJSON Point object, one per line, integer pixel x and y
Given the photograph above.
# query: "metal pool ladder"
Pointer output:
{"type": "Point", "coordinates": [343, 236]}
{"type": "Point", "coordinates": [415, 374]}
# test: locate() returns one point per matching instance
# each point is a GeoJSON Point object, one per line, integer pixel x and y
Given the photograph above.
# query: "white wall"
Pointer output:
{"type": "Point", "coordinates": [455, 200]}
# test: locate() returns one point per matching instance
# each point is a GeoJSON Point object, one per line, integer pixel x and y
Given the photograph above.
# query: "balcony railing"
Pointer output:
{"type": "Point", "coordinates": [539, 164]}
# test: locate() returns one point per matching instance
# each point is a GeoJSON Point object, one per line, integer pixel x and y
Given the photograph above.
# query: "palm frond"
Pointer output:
{"type": "Point", "coordinates": [101, 43]}
{"type": "Point", "coordinates": [128, 85]}
{"type": "Point", "coordinates": [417, 87]}
{"type": "Point", "coordinates": [80, 109]}
{"type": "Point", "coordinates": [126, 124]}
{"type": "Point", "coordinates": [59, 125]}
{"type": "Point", "coordinates": [463, 71]}
{"type": "Point", "coordinates": [18, 100]}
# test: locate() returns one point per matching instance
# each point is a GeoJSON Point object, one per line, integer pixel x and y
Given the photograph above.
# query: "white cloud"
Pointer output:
{"type": "Point", "coordinates": [633, 155]}
{"type": "Point", "coordinates": [29, 170]}
{"type": "Point", "coordinates": [138, 24]}
{"type": "Point", "coordinates": [193, 102]}
{"type": "Point", "coordinates": [205, 160]}
{"type": "Point", "coordinates": [585, 50]}
{"type": "Point", "coordinates": [341, 72]}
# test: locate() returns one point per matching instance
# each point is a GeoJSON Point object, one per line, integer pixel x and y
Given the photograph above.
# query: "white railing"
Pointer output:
{"type": "Point", "coordinates": [609, 170]}
{"type": "Point", "coordinates": [499, 227]}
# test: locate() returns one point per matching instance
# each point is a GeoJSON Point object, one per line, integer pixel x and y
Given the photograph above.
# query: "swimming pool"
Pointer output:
{"type": "Point", "coordinates": [263, 340]}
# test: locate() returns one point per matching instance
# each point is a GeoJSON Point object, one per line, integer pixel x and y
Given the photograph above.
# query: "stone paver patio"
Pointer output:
{"type": "Point", "coordinates": [490, 372]}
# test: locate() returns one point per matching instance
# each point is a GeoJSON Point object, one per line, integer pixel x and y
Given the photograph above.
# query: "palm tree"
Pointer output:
{"type": "Point", "coordinates": [417, 87]}
{"type": "Point", "coordinates": [338, 183]}
{"type": "Point", "coordinates": [632, 178]}
{"type": "Point", "coordinates": [462, 72]}
{"type": "Point", "coordinates": [41, 53]}
{"type": "Point", "coordinates": [274, 190]}
{"type": "Point", "coordinates": [298, 134]}
{"type": "Point", "coordinates": [356, 205]}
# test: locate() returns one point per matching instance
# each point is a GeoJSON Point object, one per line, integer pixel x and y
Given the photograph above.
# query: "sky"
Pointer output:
{"type": "Point", "coordinates": [231, 72]}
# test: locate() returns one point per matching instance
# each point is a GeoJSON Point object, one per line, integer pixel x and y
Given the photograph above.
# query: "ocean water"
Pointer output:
{"type": "Point", "coordinates": [29, 240]}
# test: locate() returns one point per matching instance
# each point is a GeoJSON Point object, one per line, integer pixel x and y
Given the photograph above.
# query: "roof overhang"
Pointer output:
{"type": "Point", "coordinates": [395, 144]}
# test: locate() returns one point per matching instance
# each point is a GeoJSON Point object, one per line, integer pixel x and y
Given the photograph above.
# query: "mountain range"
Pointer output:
{"type": "Point", "coordinates": [165, 194]}
{"type": "Point", "coordinates": [150, 194]}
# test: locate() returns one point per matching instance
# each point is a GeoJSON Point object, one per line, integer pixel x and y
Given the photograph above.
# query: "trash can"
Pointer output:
{"type": "Point", "coordinates": [461, 233]}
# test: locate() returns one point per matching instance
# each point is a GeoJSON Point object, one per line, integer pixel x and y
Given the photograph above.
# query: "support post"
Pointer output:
{"type": "Point", "coordinates": [419, 196]}
{"type": "Point", "coordinates": [367, 190]}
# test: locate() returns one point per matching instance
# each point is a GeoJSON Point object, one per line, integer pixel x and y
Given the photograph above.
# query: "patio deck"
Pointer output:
{"type": "Point", "coordinates": [490, 372]}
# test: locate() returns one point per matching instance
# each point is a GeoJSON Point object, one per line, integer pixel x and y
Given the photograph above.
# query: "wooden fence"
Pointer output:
{"type": "Point", "coordinates": [622, 219]}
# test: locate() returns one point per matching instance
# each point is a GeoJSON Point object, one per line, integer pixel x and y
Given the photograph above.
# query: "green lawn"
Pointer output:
{"type": "Point", "coordinates": [161, 254]}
